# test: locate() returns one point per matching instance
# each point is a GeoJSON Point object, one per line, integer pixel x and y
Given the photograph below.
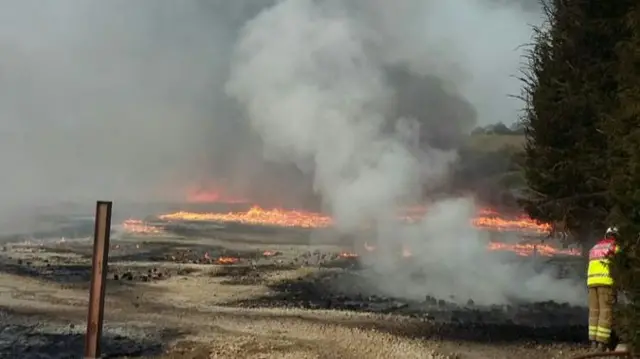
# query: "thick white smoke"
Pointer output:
{"type": "Point", "coordinates": [310, 75]}
{"type": "Point", "coordinates": [124, 100]}
{"type": "Point", "coordinates": [317, 97]}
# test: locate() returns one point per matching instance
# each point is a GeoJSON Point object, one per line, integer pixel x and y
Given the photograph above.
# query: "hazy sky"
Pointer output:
{"type": "Point", "coordinates": [126, 99]}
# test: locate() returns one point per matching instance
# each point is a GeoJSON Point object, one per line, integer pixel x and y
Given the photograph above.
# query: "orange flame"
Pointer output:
{"type": "Point", "coordinates": [211, 196]}
{"type": "Point", "coordinates": [521, 223]}
{"type": "Point", "coordinates": [139, 227]}
{"type": "Point", "coordinates": [257, 216]}
{"type": "Point", "coordinates": [526, 250]}
{"type": "Point", "coordinates": [227, 260]}
{"type": "Point", "coordinates": [520, 249]}
{"type": "Point", "coordinates": [209, 192]}
{"type": "Point", "coordinates": [486, 219]}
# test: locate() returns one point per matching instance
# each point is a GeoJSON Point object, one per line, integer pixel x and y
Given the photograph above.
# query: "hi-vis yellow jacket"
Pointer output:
{"type": "Point", "coordinates": [598, 273]}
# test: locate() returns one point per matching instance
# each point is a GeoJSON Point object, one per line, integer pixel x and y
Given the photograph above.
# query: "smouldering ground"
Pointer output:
{"type": "Point", "coordinates": [164, 302]}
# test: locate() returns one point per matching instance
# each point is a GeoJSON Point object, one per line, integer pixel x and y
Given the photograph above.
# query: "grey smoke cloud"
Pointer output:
{"type": "Point", "coordinates": [445, 118]}
{"type": "Point", "coordinates": [318, 97]}
{"type": "Point", "coordinates": [316, 84]}
{"type": "Point", "coordinates": [102, 100]}
{"type": "Point", "coordinates": [126, 100]}
{"type": "Point", "coordinates": [129, 100]}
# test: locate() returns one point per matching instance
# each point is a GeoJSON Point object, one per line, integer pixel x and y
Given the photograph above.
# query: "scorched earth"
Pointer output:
{"type": "Point", "coordinates": [240, 281]}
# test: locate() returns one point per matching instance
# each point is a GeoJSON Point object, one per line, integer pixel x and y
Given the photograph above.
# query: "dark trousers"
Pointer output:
{"type": "Point", "coordinates": [601, 300]}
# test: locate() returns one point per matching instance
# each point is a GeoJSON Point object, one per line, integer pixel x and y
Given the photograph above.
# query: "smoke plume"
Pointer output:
{"type": "Point", "coordinates": [125, 100]}
{"type": "Point", "coordinates": [352, 94]}
{"type": "Point", "coordinates": [359, 103]}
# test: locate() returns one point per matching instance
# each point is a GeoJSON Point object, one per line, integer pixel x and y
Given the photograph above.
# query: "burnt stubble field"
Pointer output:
{"type": "Point", "coordinates": [222, 290]}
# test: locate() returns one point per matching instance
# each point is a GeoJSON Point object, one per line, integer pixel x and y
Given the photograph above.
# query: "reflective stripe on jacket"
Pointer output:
{"type": "Point", "coordinates": [598, 272]}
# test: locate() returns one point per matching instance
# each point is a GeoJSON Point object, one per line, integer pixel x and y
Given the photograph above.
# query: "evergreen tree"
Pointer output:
{"type": "Point", "coordinates": [570, 88]}
{"type": "Point", "coordinates": [583, 132]}
{"type": "Point", "coordinates": [623, 129]}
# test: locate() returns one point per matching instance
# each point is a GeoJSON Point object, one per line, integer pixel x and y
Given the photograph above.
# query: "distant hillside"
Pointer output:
{"type": "Point", "coordinates": [497, 136]}
{"type": "Point", "coordinates": [490, 166]}
{"type": "Point", "coordinates": [493, 142]}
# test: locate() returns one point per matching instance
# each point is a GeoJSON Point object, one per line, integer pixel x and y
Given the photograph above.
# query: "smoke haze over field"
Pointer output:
{"type": "Point", "coordinates": [122, 99]}
{"type": "Point", "coordinates": [140, 100]}
{"type": "Point", "coordinates": [331, 87]}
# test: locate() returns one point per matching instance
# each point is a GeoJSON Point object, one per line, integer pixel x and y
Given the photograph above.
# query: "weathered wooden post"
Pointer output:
{"type": "Point", "coordinates": [101, 236]}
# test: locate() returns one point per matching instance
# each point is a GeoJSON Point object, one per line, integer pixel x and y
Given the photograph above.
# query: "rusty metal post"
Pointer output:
{"type": "Point", "coordinates": [101, 236]}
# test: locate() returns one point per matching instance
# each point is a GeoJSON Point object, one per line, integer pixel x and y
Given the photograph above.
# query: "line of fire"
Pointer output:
{"type": "Point", "coordinates": [529, 231]}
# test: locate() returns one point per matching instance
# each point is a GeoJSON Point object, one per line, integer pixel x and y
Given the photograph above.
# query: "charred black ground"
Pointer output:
{"type": "Point", "coordinates": [328, 287]}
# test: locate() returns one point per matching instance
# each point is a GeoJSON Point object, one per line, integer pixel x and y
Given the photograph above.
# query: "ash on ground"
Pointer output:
{"type": "Point", "coordinates": [344, 289]}
{"type": "Point", "coordinates": [334, 289]}
{"type": "Point", "coordinates": [28, 337]}
{"type": "Point", "coordinates": [333, 282]}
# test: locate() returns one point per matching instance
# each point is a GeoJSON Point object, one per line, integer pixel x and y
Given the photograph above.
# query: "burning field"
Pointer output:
{"type": "Point", "coordinates": [486, 219]}
{"type": "Point", "coordinates": [261, 283]}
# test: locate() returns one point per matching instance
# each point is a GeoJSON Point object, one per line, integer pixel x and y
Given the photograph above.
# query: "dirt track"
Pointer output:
{"type": "Point", "coordinates": [163, 306]}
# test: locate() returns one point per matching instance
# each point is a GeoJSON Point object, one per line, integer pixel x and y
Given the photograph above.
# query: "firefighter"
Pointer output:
{"type": "Point", "coordinates": [601, 292]}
